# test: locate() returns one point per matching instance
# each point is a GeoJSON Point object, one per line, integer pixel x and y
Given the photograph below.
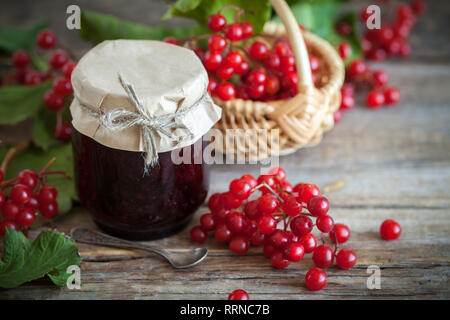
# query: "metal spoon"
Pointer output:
{"type": "Point", "coordinates": [179, 260]}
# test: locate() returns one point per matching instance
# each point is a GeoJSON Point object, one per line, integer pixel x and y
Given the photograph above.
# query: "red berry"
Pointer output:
{"type": "Point", "coordinates": [32, 78]}
{"type": "Point", "coordinates": [20, 59]}
{"type": "Point", "coordinates": [279, 239]}
{"type": "Point", "coordinates": [341, 232]}
{"type": "Point", "coordinates": [318, 206]}
{"type": "Point", "coordinates": [306, 191]}
{"type": "Point", "coordinates": [390, 230]}
{"type": "Point", "coordinates": [250, 179]}
{"type": "Point", "coordinates": [356, 68]}
{"type": "Point", "coordinates": [240, 189]}
{"type": "Point", "coordinates": [257, 239]}
{"type": "Point", "coordinates": [33, 203]}
{"type": "Point", "coordinates": [267, 224]}
{"type": "Point", "coordinates": [316, 279]}
{"type": "Point", "coordinates": [309, 242]}
{"type": "Point", "coordinates": [256, 91]}
{"type": "Point", "coordinates": [251, 210]}
{"type": "Point", "coordinates": [287, 63]}
{"type": "Point", "coordinates": [337, 116]}
{"type": "Point", "coordinates": [26, 217]}
{"type": "Point", "coordinates": [243, 68]}
{"type": "Point", "coordinates": [222, 233]}
{"type": "Point", "coordinates": [62, 86]}
{"type": "Point", "coordinates": [346, 259]}
{"type": "Point", "coordinates": [212, 85]}
{"type": "Point", "coordinates": [392, 95]}
{"type": "Point", "coordinates": [207, 221]}
{"type": "Point", "coordinates": [2, 199]}
{"type": "Point", "coordinates": [269, 250]}
{"type": "Point", "coordinates": [238, 295]}
{"type": "Point", "coordinates": [418, 6]}
{"type": "Point", "coordinates": [63, 131]}
{"type": "Point", "coordinates": [235, 221]}
{"type": "Point", "coordinates": [325, 223]}
{"type": "Point", "coordinates": [224, 72]}
{"type": "Point", "coordinates": [247, 30]}
{"type": "Point", "coordinates": [364, 15]}
{"type": "Point", "coordinates": [323, 256]}
{"type": "Point", "coordinates": [291, 206]}
{"type": "Point", "coordinates": [278, 172]}
{"type": "Point", "coordinates": [198, 234]}
{"type": "Point", "coordinates": [377, 54]}
{"type": "Point", "coordinates": [215, 202]}
{"type": "Point", "coordinates": [225, 91]}
{"type": "Point", "coordinates": [171, 40]}
{"type": "Point", "coordinates": [233, 59]}
{"type": "Point", "coordinates": [344, 28]}
{"type": "Point", "coordinates": [272, 61]}
{"type": "Point", "coordinates": [295, 252]}
{"type": "Point", "coordinates": [47, 194]}
{"type": "Point", "coordinates": [278, 260]}
{"type": "Point", "coordinates": [268, 204]}
{"type": "Point", "coordinates": [385, 34]}
{"type": "Point", "coordinates": [10, 210]}
{"type": "Point", "coordinates": [239, 245]}
{"type": "Point", "coordinates": [404, 12]}
{"type": "Point", "coordinates": [256, 77]}
{"type": "Point", "coordinates": [58, 59]}
{"type": "Point", "coordinates": [46, 39]}
{"type": "Point", "coordinates": [393, 47]}
{"type": "Point", "coordinates": [345, 51]}
{"type": "Point", "coordinates": [20, 194]}
{"type": "Point", "coordinates": [234, 32]}
{"type": "Point", "coordinates": [380, 78]}
{"type": "Point", "coordinates": [347, 102]}
{"type": "Point", "coordinates": [290, 81]}
{"type": "Point", "coordinates": [217, 43]}
{"type": "Point", "coordinates": [405, 49]}
{"type": "Point", "coordinates": [230, 202]}
{"type": "Point", "coordinates": [258, 50]}
{"type": "Point", "coordinates": [375, 99]}
{"type": "Point", "coordinates": [7, 224]}
{"type": "Point", "coordinates": [216, 22]}
{"type": "Point", "coordinates": [314, 62]}
{"type": "Point", "coordinates": [53, 101]}
{"type": "Point", "coordinates": [28, 178]}
{"type": "Point", "coordinates": [267, 179]}
{"type": "Point", "coordinates": [301, 225]}
{"type": "Point", "coordinates": [212, 60]}
{"type": "Point", "coordinates": [68, 68]}
{"type": "Point", "coordinates": [48, 209]}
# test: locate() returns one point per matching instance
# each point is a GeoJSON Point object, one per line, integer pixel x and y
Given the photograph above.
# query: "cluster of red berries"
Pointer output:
{"type": "Point", "coordinates": [266, 221]}
{"type": "Point", "coordinates": [261, 70]}
{"type": "Point", "coordinates": [29, 193]}
{"type": "Point", "coordinates": [61, 70]}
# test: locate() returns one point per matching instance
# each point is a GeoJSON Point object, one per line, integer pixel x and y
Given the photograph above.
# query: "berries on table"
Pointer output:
{"type": "Point", "coordinates": [316, 279]}
{"type": "Point", "coordinates": [301, 225]}
{"type": "Point", "coordinates": [239, 245]}
{"type": "Point", "coordinates": [323, 256]}
{"type": "Point", "coordinates": [325, 223]}
{"type": "Point", "coordinates": [390, 230]}
{"type": "Point", "coordinates": [340, 232]}
{"type": "Point", "coordinates": [375, 99]}
{"type": "Point", "coordinates": [238, 295]}
{"type": "Point", "coordinates": [318, 206]}
{"type": "Point", "coordinates": [198, 234]}
{"type": "Point", "coordinates": [346, 258]}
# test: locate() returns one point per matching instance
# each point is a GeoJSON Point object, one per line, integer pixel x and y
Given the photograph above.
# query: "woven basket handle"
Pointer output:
{"type": "Point", "coordinates": [296, 39]}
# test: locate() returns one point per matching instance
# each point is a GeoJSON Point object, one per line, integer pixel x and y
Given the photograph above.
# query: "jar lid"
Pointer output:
{"type": "Point", "coordinates": [166, 80]}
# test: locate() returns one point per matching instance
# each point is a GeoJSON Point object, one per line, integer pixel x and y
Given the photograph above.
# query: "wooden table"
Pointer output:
{"type": "Point", "coordinates": [396, 162]}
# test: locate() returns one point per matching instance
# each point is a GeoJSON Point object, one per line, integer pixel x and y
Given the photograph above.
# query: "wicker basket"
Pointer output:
{"type": "Point", "coordinates": [302, 119]}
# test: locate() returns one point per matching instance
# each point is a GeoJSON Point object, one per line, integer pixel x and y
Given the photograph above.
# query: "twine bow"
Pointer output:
{"type": "Point", "coordinates": [121, 119]}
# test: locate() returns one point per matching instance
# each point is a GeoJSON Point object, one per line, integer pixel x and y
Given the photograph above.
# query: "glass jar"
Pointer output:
{"type": "Point", "coordinates": [124, 202]}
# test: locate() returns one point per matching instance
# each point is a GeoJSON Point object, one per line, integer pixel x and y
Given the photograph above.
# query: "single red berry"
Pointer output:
{"type": "Point", "coordinates": [217, 43]}
{"type": "Point", "coordinates": [301, 225]}
{"type": "Point", "coordinates": [419, 6]}
{"type": "Point", "coordinates": [344, 29]}
{"type": "Point", "coordinates": [314, 63]}
{"type": "Point", "coordinates": [279, 239]}
{"type": "Point", "coordinates": [268, 204]}
{"type": "Point", "coordinates": [345, 50]}
{"type": "Point", "coordinates": [198, 234]}
{"type": "Point", "coordinates": [63, 131]}
{"type": "Point", "coordinates": [33, 78]}
{"type": "Point", "coordinates": [235, 221]}
{"type": "Point", "coordinates": [239, 245]}
{"type": "Point", "coordinates": [58, 59]}
{"type": "Point", "coordinates": [10, 210]}
{"type": "Point", "coordinates": [278, 260]}
{"type": "Point", "coordinates": [48, 209]}
{"type": "Point", "coordinates": [20, 59]}
{"type": "Point", "coordinates": [2, 199]}
{"type": "Point", "coordinates": [258, 50]}
{"type": "Point", "coordinates": [230, 202]}
{"type": "Point", "coordinates": [337, 116]}
{"type": "Point", "coordinates": [402, 30]}
{"type": "Point", "coordinates": [341, 232]}
{"type": "Point", "coordinates": [306, 191]}
{"type": "Point", "coordinates": [386, 34]}
{"type": "Point", "coordinates": [323, 256]}
{"type": "Point", "coordinates": [46, 39]}
{"type": "Point", "coordinates": [225, 91]}
{"type": "Point", "coordinates": [250, 179]}
{"type": "Point", "coordinates": [257, 239]}
{"type": "Point", "coordinates": [233, 59]}
{"type": "Point", "coordinates": [393, 47]}
{"type": "Point", "coordinates": [272, 61]}
{"type": "Point", "coordinates": [309, 242]}
{"type": "Point", "coordinates": [212, 85]}
{"type": "Point", "coordinates": [347, 102]}
{"type": "Point", "coordinates": [295, 252]}
{"type": "Point", "coordinates": [392, 96]}
{"type": "Point", "coordinates": [356, 68]}
{"type": "Point", "coordinates": [267, 224]}
{"type": "Point", "coordinates": [26, 217]}
{"type": "Point", "coordinates": [318, 206]}
{"type": "Point", "coordinates": [251, 210]}
{"type": "Point", "coordinates": [171, 40]}
{"type": "Point", "coordinates": [348, 89]}
{"type": "Point", "coordinates": [222, 233]}
{"type": "Point", "coordinates": [375, 99]}
{"type": "Point", "coordinates": [240, 188]}
{"type": "Point", "coordinates": [364, 14]}
{"type": "Point", "coordinates": [282, 49]}
{"type": "Point", "coordinates": [256, 91]}
{"type": "Point", "coordinates": [234, 32]}
{"type": "Point", "coordinates": [405, 49]}
{"type": "Point", "coordinates": [212, 60]}
{"type": "Point", "coordinates": [377, 54]}
{"type": "Point", "coordinates": [207, 221]}
{"type": "Point", "coordinates": [68, 68]}
{"type": "Point", "coordinates": [243, 68]}
{"type": "Point", "coordinates": [287, 63]}
{"type": "Point", "coordinates": [316, 279]}
{"type": "Point", "coordinates": [53, 101]}
{"type": "Point", "coordinates": [290, 81]}
{"type": "Point", "coordinates": [247, 30]}
{"type": "Point", "coordinates": [325, 223]}
{"type": "Point", "coordinates": [256, 77]}
{"type": "Point", "coordinates": [380, 78]}
{"type": "Point", "coordinates": [20, 194]}
{"type": "Point", "coordinates": [346, 259]}
{"type": "Point", "coordinates": [7, 224]}
{"type": "Point", "coordinates": [390, 230]}
{"type": "Point", "coordinates": [238, 295]}
{"type": "Point", "coordinates": [404, 12]}
{"type": "Point", "coordinates": [267, 179]}
{"type": "Point", "coordinates": [62, 86]}
{"type": "Point", "coordinates": [215, 202]}
{"type": "Point", "coordinates": [216, 22]}
{"type": "Point", "coordinates": [33, 203]}
{"type": "Point", "coordinates": [224, 72]}
{"type": "Point", "coordinates": [48, 194]}
{"type": "Point", "coordinates": [291, 206]}
{"type": "Point", "coordinates": [278, 172]}
{"type": "Point", "coordinates": [28, 178]}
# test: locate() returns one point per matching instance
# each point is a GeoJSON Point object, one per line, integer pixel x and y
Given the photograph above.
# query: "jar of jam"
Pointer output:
{"type": "Point", "coordinates": [136, 105]}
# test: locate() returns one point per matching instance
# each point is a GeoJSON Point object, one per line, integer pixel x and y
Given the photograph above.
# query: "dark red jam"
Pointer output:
{"type": "Point", "coordinates": [126, 203]}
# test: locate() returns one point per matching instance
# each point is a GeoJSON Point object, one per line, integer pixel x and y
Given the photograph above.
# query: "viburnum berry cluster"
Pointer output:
{"type": "Point", "coordinates": [243, 65]}
{"type": "Point", "coordinates": [25, 196]}
{"type": "Point", "coordinates": [281, 220]}
{"type": "Point", "coordinates": [61, 65]}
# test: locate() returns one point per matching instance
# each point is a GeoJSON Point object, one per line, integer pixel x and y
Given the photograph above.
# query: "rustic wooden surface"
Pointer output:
{"type": "Point", "coordinates": [396, 162]}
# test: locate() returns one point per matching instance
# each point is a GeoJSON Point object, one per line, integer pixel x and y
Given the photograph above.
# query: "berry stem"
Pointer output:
{"type": "Point", "coordinates": [65, 174]}
{"type": "Point", "coordinates": [12, 152]}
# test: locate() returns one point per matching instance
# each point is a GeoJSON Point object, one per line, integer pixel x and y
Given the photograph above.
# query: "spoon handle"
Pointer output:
{"type": "Point", "coordinates": [86, 235]}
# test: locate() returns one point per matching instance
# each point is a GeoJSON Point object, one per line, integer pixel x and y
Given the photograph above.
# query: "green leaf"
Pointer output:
{"type": "Point", "coordinates": [257, 12]}
{"type": "Point", "coordinates": [36, 159]}
{"type": "Point", "coordinates": [42, 134]}
{"type": "Point", "coordinates": [20, 102]}
{"type": "Point", "coordinates": [51, 253]}
{"type": "Point", "coordinates": [353, 38]}
{"type": "Point", "coordinates": [97, 27]}
{"type": "Point", "coordinates": [15, 38]}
